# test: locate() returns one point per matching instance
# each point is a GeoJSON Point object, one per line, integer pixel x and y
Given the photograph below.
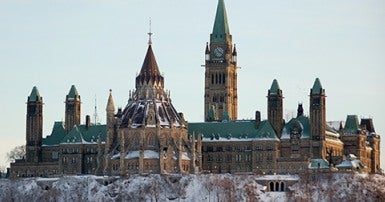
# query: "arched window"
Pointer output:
{"type": "Point", "coordinates": [282, 186]}
{"type": "Point", "coordinates": [212, 78]}
{"type": "Point", "coordinates": [224, 79]}
{"type": "Point", "coordinates": [271, 186]}
{"type": "Point", "coordinates": [216, 78]}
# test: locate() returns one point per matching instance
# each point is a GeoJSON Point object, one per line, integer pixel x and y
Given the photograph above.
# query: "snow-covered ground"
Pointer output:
{"type": "Point", "coordinates": [226, 187]}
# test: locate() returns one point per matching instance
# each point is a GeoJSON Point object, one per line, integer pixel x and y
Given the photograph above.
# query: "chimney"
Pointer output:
{"type": "Point", "coordinates": [88, 121]}
{"type": "Point", "coordinates": [257, 118]}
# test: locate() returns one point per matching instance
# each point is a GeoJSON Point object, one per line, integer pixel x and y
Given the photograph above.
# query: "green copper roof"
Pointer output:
{"type": "Point", "coordinates": [304, 123]}
{"type": "Point", "coordinates": [221, 26]}
{"type": "Point", "coordinates": [35, 95]}
{"type": "Point", "coordinates": [351, 125]}
{"type": "Point", "coordinates": [233, 130]}
{"type": "Point", "coordinates": [73, 92]}
{"type": "Point", "coordinates": [85, 135]}
{"type": "Point", "coordinates": [274, 89]}
{"type": "Point", "coordinates": [73, 137]}
{"type": "Point", "coordinates": [318, 164]}
{"type": "Point", "coordinates": [317, 87]}
{"type": "Point", "coordinates": [57, 134]}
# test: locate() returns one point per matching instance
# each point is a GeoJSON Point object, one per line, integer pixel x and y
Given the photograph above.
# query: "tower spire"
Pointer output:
{"type": "Point", "coordinates": [221, 26]}
{"type": "Point", "coordinates": [149, 34]}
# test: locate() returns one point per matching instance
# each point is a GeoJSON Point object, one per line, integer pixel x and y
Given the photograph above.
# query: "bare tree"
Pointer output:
{"type": "Point", "coordinates": [16, 153]}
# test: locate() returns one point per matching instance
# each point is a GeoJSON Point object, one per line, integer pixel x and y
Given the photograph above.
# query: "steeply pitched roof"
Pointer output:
{"type": "Point", "coordinates": [73, 92]}
{"type": "Point", "coordinates": [221, 26]}
{"type": "Point", "coordinates": [274, 89]}
{"type": "Point", "coordinates": [233, 130]}
{"type": "Point", "coordinates": [149, 67]}
{"type": "Point", "coordinates": [110, 103]}
{"type": "Point", "coordinates": [149, 71]}
{"type": "Point", "coordinates": [304, 123]}
{"type": "Point", "coordinates": [35, 95]}
{"type": "Point", "coordinates": [57, 134]}
{"type": "Point", "coordinates": [85, 135]}
{"type": "Point", "coordinates": [351, 125]}
{"type": "Point", "coordinates": [317, 87]}
{"type": "Point", "coordinates": [73, 137]}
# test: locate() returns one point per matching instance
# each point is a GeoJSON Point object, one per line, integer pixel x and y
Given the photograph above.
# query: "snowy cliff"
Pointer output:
{"type": "Point", "coordinates": [310, 187]}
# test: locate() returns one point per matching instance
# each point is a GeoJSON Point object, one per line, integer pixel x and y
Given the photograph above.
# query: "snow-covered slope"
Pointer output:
{"type": "Point", "coordinates": [310, 187]}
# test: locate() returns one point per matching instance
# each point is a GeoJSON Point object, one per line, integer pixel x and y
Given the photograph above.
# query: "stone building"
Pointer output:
{"type": "Point", "coordinates": [272, 145]}
{"type": "Point", "coordinates": [150, 136]}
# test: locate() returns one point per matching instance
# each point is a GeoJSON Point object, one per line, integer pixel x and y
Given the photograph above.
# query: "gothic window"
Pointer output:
{"type": "Point", "coordinates": [248, 157]}
{"type": "Point", "coordinates": [238, 148]}
{"type": "Point", "coordinates": [316, 101]}
{"type": "Point", "coordinates": [209, 148]}
{"type": "Point", "coordinates": [238, 157]}
{"type": "Point", "coordinates": [212, 78]}
{"type": "Point", "coordinates": [228, 148]}
{"type": "Point", "coordinates": [151, 140]}
{"type": "Point", "coordinates": [224, 79]}
{"type": "Point", "coordinates": [228, 157]}
{"type": "Point", "coordinates": [259, 147]}
{"type": "Point", "coordinates": [216, 78]}
{"type": "Point", "coordinates": [221, 98]}
{"type": "Point", "coordinates": [220, 79]}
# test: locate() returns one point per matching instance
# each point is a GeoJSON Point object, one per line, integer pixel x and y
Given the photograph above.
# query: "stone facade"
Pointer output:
{"type": "Point", "coordinates": [150, 136]}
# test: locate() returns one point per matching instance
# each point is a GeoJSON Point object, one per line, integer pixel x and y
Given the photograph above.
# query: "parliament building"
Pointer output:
{"type": "Point", "coordinates": [150, 136]}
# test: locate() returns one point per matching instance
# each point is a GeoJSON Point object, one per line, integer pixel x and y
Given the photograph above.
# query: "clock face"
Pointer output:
{"type": "Point", "coordinates": [218, 51]}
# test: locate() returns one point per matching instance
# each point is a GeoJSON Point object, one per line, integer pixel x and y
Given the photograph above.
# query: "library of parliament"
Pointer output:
{"type": "Point", "coordinates": [150, 136]}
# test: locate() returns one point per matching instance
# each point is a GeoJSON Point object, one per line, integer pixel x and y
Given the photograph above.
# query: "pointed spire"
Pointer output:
{"type": "Point", "coordinates": [235, 50]}
{"type": "Point", "coordinates": [207, 51]}
{"type": "Point", "coordinates": [35, 95]}
{"type": "Point", "coordinates": [274, 89]}
{"type": "Point", "coordinates": [149, 35]}
{"type": "Point", "coordinates": [110, 103]}
{"type": "Point", "coordinates": [221, 26]}
{"type": "Point", "coordinates": [150, 70]}
{"type": "Point", "coordinates": [317, 87]}
{"type": "Point", "coordinates": [73, 93]}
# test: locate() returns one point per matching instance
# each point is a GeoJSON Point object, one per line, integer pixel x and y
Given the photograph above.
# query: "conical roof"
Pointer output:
{"type": "Point", "coordinates": [221, 26]}
{"type": "Point", "coordinates": [110, 103]}
{"type": "Point", "coordinates": [73, 93]}
{"type": "Point", "coordinates": [274, 89]}
{"type": "Point", "coordinates": [35, 95]}
{"type": "Point", "coordinates": [317, 87]}
{"type": "Point", "coordinates": [150, 70]}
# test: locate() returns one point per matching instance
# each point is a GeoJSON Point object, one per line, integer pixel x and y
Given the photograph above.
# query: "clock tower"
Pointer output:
{"type": "Point", "coordinates": [221, 100]}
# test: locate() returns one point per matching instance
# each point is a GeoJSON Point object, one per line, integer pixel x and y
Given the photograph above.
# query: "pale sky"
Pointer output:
{"type": "Point", "coordinates": [98, 45]}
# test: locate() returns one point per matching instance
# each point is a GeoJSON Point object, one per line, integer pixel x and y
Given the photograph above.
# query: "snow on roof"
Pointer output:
{"type": "Point", "coordinates": [318, 164]}
{"type": "Point", "coordinates": [277, 177]}
{"type": "Point", "coordinates": [148, 154]}
{"type": "Point", "coordinates": [355, 164]}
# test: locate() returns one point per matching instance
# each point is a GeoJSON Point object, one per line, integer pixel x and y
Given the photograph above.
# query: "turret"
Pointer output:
{"type": "Point", "coordinates": [34, 129]}
{"type": "Point", "coordinates": [72, 109]}
{"type": "Point", "coordinates": [275, 107]}
{"type": "Point", "coordinates": [318, 119]}
{"type": "Point", "coordinates": [110, 110]}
